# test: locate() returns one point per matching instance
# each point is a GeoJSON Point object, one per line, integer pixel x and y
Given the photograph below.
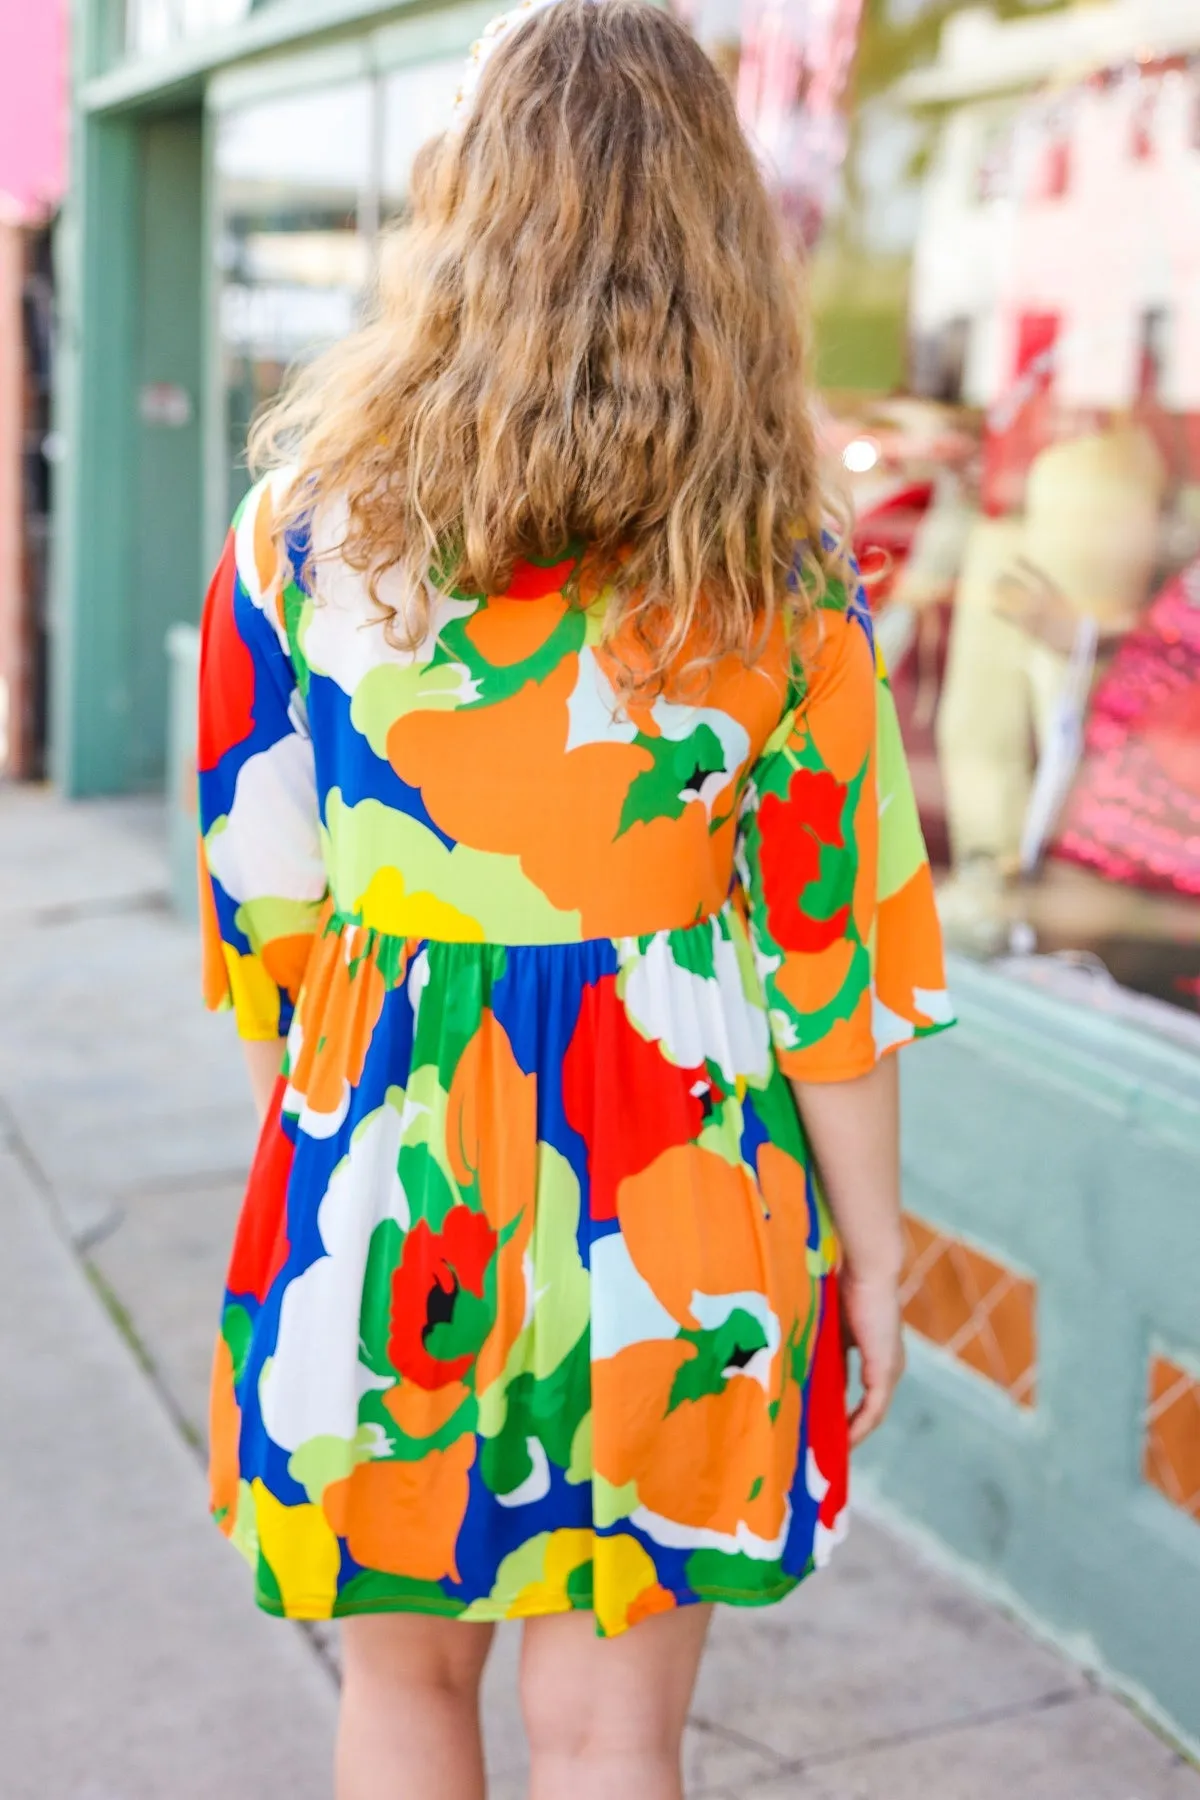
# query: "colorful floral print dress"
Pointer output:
{"type": "Point", "coordinates": [531, 1304]}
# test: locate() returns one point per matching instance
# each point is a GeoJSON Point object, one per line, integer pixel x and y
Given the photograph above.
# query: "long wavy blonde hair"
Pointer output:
{"type": "Point", "coordinates": [592, 329]}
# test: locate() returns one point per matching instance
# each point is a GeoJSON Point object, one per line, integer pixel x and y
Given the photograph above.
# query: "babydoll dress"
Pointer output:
{"type": "Point", "coordinates": [531, 1305]}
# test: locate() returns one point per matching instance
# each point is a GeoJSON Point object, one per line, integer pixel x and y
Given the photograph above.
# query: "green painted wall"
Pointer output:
{"type": "Point", "coordinates": [94, 406]}
{"type": "Point", "coordinates": [128, 503]}
{"type": "Point", "coordinates": [1067, 1146]}
{"type": "Point", "coordinates": [167, 576]}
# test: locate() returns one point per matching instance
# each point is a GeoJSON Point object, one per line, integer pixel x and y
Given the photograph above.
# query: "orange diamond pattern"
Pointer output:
{"type": "Point", "coordinates": [971, 1306]}
{"type": "Point", "coordinates": [1171, 1457]}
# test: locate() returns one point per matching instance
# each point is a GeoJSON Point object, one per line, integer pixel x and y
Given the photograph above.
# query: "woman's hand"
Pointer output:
{"type": "Point", "coordinates": [854, 1129]}
{"type": "Point", "coordinates": [871, 1324]}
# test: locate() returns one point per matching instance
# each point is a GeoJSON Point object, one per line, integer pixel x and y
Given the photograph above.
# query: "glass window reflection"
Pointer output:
{"type": "Point", "coordinates": [418, 103]}
{"type": "Point", "coordinates": [152, 26]}
{"type": "Point", "coordinates": [1003, 218]}
{"type": "Point", "coordinates": [295, 191]}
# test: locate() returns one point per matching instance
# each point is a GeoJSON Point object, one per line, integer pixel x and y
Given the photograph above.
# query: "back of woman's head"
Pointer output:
{"type": "Point", "coordinates": [590, 329]}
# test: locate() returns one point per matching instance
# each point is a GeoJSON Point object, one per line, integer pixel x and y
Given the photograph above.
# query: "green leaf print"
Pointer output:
{"type": "Point", "coordinates": [775, 1107]}
{"type": "Point", "coordinates": [430, 1195]}
{"type": "Point", "coordinates": [296, 604]}
{"type": "Point", "coordinates": [579, 1585]}
{"type": "Point", "coordinates": [549, 1411]}
{"type": "Point", "coordinates": [496, 682]}
{"type": "Point", "coordinates": [464, 1332]}
{"type": "Point", "coordinates": [266, 1589]}
{"type": "Point", "coordinates": [458, 977]}
{"type": "Point", "coordinates": [719, 1353]}
{"type": "Point", "coordinates": [677, 773]}
{"type": "Point", "coordinates": [800, 1343]}
{"type": "Point", "coordinates": [237, 1331]}
{"type": "Point", "coordinates": [374, 1320]}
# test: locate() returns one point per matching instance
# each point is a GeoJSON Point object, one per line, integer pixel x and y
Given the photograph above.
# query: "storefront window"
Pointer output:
{"type": "Point", "coordinates": [418, 103]}
{"type": "Point", "coordinates": [152, 26]}
{"type": "Point", "coordinates": [306, 184]}
{"type": "Point", "coordinates": [295, 186]}
{"type": "Point", "coordinates": [1004, 216]}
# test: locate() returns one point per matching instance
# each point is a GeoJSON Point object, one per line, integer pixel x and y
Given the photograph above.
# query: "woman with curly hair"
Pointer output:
{"type": "Point", "coordinates": [562, 870]}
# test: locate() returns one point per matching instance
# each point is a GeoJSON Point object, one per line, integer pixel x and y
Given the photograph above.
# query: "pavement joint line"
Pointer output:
{"type": "Point", "coordinates": [73, 912]}
{"type": "Point", "coordinates": [92, 1236]}
{"type": "Point", "coordinates": [152, 1187]}
{"type": "Point", "coordinates": [19, 1147]}
{"type": "Point", "coordinates": [897, 1740]}
{"type": "Point", "coordinates": [740, 1740]}
{"type": "Point", "coordinates": [12, 1142]}
{"type": "Point", "coordinates": [1099, 1678]}
{"type": "Point", "coordinates": [120, 1315]}
{"type": "Point", "coordinates": [321, 1650]}
{"type": "Point", "coordinates": [113, 1306]}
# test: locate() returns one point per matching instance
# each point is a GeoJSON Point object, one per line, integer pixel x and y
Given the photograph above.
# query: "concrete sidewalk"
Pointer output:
{"type": "Point", "coordinates": [132, 1663]}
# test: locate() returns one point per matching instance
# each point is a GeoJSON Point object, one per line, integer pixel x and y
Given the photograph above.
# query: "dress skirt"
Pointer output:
{"type": "Point", "coordinates": [532, 1301]}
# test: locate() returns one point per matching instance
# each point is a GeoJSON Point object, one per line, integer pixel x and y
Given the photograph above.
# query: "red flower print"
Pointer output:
{"type": "Point", "coordinates": [793, 831]}
{"type": "Point", "coordinates": [260, 1248]}
{"type": "Point", "coordinates": [439, 1288]}
{"type": "Point", "coordinates": [532, 581]}
{"type": "Point", "coordinates": [828, 1431]}
{"type": "Point", "coordinates": [227, 699]}
{"type": "Point", "coordinates": [624, 1098]}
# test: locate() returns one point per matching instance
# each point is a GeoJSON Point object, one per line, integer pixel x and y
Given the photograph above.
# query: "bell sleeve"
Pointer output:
{"type": "Point", "coordinates": [262, 876]}
{"type": "Point", "coordinates": [838, 891]}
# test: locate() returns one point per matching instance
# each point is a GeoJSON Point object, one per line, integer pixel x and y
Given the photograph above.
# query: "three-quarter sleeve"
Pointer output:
{"type": "Point", "coordinates": [837, 885]}
{"type": "Point", "coordinates": [262, 876]}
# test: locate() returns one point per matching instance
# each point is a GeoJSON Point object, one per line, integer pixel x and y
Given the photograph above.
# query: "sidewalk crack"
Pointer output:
{"type": "Point", "coordinates": [822, 1759]}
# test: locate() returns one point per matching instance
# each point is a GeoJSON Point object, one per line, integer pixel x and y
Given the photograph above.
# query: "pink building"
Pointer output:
{"type": "Point", "coordinates": [33, 107]}
{"type": "Point", "coordinates": [33, 128]}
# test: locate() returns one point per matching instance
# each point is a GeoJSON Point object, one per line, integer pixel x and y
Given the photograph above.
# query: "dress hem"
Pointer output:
{"type": "Point", "coordinates": [318, 1610]}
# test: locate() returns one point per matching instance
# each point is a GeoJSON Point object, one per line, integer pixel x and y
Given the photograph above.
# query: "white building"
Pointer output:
{"type": "Point", "coordinates": [1072, 213]}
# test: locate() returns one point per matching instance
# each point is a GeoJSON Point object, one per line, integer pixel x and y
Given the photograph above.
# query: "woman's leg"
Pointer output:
{"type": "Point", "coordinates": [605, 1716]}
{"type": "Point", "coordinates": [409, 1727]}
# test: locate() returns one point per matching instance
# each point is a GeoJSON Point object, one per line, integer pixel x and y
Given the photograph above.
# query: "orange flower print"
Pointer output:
{"type": "Point", "coordinates": [339, 1009]}
{"type": "Point", "coordinates": [404, 1517]}
{"type": "Point", "coordinates": [491, 1133]}
{"type": "Point", "coordinates": [224, 1426]}
{"type": "Point", "coordinates": [706, 1424]}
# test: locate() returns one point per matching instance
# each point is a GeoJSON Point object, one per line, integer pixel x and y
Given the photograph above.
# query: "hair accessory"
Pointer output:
{"type": "Point", "coordinates": [499, 28]}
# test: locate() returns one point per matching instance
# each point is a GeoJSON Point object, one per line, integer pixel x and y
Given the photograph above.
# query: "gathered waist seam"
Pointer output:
{"type": "Point", "coordinates": [335, 920]}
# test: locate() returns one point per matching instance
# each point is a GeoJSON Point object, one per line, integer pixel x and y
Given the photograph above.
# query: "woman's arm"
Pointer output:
{"type": "Point", "coordinates": [262, 872]}
{"type": "Point", "coordinates": [854, 1129]}
{"type": "Point", "coordinates": [844, 928]}
{"type": "Point", "coordinates": [264, 1060]}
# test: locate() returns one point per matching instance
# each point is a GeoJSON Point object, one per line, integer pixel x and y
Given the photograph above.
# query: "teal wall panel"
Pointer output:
{"type": "Point", "coordinates": [1068, 1147]}
{"type": "Point", "coordinates": [168, 570]}
{"type": "Point", "coordinates": [128, 556]}
{"type": "Point", "coordinates": [95, 410]}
